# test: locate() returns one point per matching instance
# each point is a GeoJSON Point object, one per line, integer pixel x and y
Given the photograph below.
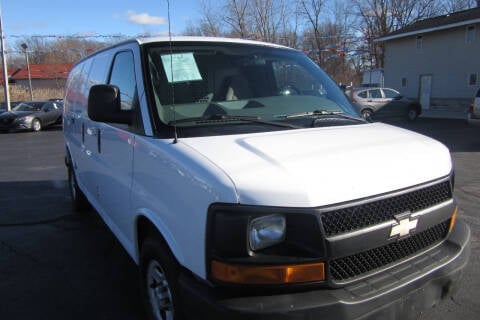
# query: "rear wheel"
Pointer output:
{"type": "Point", "coordinates": [79, 201]}
{"type": "Point", "coordinates": [367, 114]}
{"type": "Point", "coordinates": [36, 125]}
{"type": "Point", "coordinates": [412, 113]}
{"type": "Point", "coordinates": [159, 281]}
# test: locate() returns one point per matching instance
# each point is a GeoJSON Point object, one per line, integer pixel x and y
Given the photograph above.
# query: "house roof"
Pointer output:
{"type": "Point", "coordinates": [10, 73]}
{"type": "Point", "coordinates": [447, 21]}
{"type": "Point", "coordinates": [43, 71]}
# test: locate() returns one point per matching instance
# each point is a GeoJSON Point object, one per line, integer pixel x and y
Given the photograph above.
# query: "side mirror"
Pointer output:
{"type": "Point", "coordinates": [104, 105]}
{"type": "Point", "coordinates": [399, 97]}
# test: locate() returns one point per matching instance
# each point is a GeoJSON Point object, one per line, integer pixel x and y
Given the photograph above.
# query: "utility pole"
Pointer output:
{"type": "Point", "coordinates": [25, 47]}
{"type": "Point", "coordinates": [4, 65]}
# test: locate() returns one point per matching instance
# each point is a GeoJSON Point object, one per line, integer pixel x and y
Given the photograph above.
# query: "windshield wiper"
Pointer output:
{"type": "Point", "coordinates": [319, 113]}
{"type": "Point", "coordinates": [227, 117]}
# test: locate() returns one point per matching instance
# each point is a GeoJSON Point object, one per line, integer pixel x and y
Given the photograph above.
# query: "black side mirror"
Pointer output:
{"type": "Point", "coordinates": [104, 105]}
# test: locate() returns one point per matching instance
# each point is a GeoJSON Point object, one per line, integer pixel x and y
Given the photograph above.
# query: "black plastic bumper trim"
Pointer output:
{"type": "Point", "coordinates": [378, 296]}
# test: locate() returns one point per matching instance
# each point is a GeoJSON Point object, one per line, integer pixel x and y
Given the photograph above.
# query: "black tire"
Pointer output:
{"type": "Point", "coordinates": [159, 273]}
{"type": "Point", "coordinates": [79, 201]}
{"type": "Point", "coordinates": [412, 114]}
{"type": "Point", "coordinates": [367, 114]}
{"type": "Point", "coordinates": [36, 125]}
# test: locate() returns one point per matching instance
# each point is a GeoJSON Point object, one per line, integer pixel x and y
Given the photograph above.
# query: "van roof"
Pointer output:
{"type": "Point", "coordinates": [206, 39]}
{"type": "Point", "coordinates": [147, 40]}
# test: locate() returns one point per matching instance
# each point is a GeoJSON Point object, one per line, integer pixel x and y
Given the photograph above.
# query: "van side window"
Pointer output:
{"type": "Point", "coordinates": [100, 67]}
{"type": "Point", "coordinates": [123, 76]}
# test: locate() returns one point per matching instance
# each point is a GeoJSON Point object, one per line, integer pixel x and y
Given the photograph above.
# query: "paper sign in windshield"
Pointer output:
{"type": "Point", "coordinates": [180, 67]}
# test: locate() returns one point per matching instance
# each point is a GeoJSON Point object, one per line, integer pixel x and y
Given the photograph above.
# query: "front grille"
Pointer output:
{"type": "Point", "coordinates": [368, 214]}
{"type": "Point", "coordinates": [352, 266]}
{"type": "Point", "coordinates": [6, 121]}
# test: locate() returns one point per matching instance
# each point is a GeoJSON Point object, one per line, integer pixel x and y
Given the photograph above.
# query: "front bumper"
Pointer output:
{"type": "Point", "coordinates": [16, 126]}
{"type": "Point", "coordinates": [401, 292]}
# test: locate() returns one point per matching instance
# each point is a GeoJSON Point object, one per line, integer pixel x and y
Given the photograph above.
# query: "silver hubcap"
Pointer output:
{"type": "Point", "coordinates": [367, 114]}
{"type": "Point", "coordinates": [36, 125]}
{"type": "Point", "coordinates": [159, 292]}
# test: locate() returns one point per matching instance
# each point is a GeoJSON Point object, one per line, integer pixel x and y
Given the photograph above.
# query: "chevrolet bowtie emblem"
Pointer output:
{"type": "Point", "coordinates": [403, 227]}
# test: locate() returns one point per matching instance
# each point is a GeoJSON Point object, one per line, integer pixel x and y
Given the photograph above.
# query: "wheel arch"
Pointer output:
{"type": "Point", "coordinates": [368, 108]}
{"type": "Point", "coordinates": [145, 227]}
{"type": "Point", "coordinates": [416, 106]}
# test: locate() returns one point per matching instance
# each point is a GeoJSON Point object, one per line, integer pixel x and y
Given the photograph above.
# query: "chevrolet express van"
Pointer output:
{"type": "Point", "coordinates": [242, 182]}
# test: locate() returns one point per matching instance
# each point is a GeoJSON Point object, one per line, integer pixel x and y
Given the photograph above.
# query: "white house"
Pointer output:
{"type": "Point", "coordinates": [436, 60]}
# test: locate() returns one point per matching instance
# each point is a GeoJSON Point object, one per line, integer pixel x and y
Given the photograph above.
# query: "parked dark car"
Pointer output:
{"type": "Point", "coordinates": [382, 103]}
{"type": "Point", "coordinates": [31, 115]}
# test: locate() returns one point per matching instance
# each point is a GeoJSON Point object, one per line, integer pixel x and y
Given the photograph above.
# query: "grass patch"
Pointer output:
{"type": "Point", "coordinates": [18, 93]}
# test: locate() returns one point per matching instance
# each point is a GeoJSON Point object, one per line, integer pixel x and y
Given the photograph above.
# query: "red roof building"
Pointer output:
{"type": "Point", "coordinates": [10, 72]}
{"type": "Point", "coordinates": [42, 75]}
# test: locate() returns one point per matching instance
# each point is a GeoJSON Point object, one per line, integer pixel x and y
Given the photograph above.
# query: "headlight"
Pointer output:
{"type": "Point", "coordinates": [260, 245]}
{"type": "Point", "coordinates": [24, 119]}
{"type": "Point", "coordinates": [266, 231]}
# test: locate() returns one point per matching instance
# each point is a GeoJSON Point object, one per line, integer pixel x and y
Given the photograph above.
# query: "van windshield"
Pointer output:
{"type": "Point", "coordinates": [227, 84]}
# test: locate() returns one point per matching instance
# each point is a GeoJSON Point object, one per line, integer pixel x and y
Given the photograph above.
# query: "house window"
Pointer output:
{"type": "Point", "coordinates": [404, 82]}
{"type": "Point", "coordinates": [470, 34]}
{"type": "Point", "coordinates": [419, 42]}
{"type": "Point", "coordinates": [472, 79]}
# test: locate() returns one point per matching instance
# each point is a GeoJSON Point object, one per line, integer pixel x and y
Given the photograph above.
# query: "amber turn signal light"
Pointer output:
{"type": "Point", "coordinates": [452, 220]}
{"type": "Point", "coordinates": [257, 274]}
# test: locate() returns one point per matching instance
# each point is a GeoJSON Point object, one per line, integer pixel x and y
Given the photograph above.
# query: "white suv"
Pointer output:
{"type": "Point", "coordinates": [229, 171]}
{"type": "Point", "coordinates": [473, 115]}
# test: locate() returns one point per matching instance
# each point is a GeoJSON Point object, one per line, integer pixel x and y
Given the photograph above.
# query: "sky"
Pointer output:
{"type": "Point", "coordinates": [95, 17]}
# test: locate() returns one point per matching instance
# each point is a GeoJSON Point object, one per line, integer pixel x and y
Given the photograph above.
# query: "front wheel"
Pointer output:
{"type": "Point", "coordinates": [159, 280]}
{"type": "Point", "coordinates": [36, 125]}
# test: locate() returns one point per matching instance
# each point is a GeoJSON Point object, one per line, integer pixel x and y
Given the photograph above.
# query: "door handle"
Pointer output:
{"type": "Point", "coordinates": [99, 140]}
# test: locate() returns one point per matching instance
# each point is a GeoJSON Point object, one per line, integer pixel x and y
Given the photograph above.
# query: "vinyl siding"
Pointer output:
{"type": "Point", "coordinates": [445, 55]}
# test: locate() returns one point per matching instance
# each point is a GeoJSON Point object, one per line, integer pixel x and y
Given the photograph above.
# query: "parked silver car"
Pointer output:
{"type": "Point", "coordinates": [473, 115]}
{"type": "Point", "coordinates": [383, 102]}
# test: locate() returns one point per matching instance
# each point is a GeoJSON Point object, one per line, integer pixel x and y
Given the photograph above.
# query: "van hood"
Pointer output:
{"type": "Point", "coordinates": [323, 166]}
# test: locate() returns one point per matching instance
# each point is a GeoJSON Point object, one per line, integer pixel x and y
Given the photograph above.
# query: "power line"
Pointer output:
{"type": "Point", "coordinates": [56, 36]}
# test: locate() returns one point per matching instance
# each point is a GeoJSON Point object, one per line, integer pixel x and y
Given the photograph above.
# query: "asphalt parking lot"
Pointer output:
{"type": "Point", "coordinates": [58, 264]}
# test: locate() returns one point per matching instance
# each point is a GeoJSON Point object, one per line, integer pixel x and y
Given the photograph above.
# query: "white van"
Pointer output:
{"type": "Point", "coordinates": [241, 181]}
